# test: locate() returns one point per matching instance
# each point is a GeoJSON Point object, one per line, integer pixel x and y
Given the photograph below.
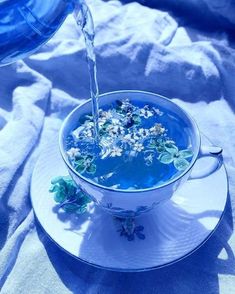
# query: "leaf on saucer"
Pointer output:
{"type": "Point", "coordinates": [59, 197]}
{"type": "Point", "coordinates": [81, 209]}
{"type": "Point", "coordinates": [57, 180]}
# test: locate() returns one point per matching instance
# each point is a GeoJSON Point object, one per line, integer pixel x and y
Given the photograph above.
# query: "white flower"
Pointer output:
{"type": "Point", "coordinates": [157, 129]}
{"type": "Point", "coordinates": [130, 138]}
{"type": "Point", "coordinates": [72, 152]}
{"type": "Point", "coordinates": [87, 133]}
{"type": "Point", "coordinates": [89, 124]}
{"type": "Point", "coordinates": [127, 139]}
{"type": "Point", "coordinates": [138, 147]}
{"type": "Point", "coordinates": [143, 132]}
{"type": "Point", "coordinates": [116, 151]}
{"type": "Point", "coordinates": [157, 111]}
{"type": "Point", "coordinates": [106, 114]}
{"type": "Point", "coordinates": [115, 130]}
{"type": "Point", "coordinates": [115, 122]}
{"type": "Point", "coordinates": [145, 112]}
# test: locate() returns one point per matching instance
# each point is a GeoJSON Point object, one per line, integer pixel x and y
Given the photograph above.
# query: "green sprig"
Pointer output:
{"type": "Point", "coordinates": [71, 198]}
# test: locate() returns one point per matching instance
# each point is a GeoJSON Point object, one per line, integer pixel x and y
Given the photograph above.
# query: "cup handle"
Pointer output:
{"type": "Point", "coordinates": [208, 151]}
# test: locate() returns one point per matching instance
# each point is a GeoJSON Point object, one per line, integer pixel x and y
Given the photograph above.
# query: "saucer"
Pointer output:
{"type": "Point", "coordinates": [172, 231]}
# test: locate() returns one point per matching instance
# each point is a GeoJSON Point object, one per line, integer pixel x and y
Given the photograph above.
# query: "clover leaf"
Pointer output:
{"type": "Point", "coordinates": [186, 153]}
{"type": "Point", "coordinates": [166, 157]}
{"type": "Point", "coordinates": [181, 164]}
{"type": "Point", "coordinates": [171, 148]}
{"type": "Point", "coordinates": [172, 154]}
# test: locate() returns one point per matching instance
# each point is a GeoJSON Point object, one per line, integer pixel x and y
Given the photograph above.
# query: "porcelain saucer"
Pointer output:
{"type": "Point", "coordinates": [173, 230]}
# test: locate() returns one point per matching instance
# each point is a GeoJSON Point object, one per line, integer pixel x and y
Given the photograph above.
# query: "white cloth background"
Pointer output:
{"type": "Point", "coordinates": [137, 48]}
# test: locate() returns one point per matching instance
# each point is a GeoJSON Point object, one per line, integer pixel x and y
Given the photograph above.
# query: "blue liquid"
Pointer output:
{"type": "Point", "coordinates": [133, 174]}
{"type": "Point", "coordinates": [27, 24]}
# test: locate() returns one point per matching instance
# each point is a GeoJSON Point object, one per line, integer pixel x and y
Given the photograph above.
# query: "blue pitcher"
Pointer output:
{"type": "Point", "coordinates": [27, 24]}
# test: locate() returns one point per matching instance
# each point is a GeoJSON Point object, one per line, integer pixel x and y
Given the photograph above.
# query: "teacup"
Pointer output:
{"type": "Point", "coordinates": [132, 203]}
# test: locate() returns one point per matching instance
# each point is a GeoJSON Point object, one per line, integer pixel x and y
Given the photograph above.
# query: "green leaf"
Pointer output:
{"type": "Point", "coordinates": [91, 169]}
{"type": "Point", "coordinates": [171, 148]}
{"type": "Point", "coordinates": [137, 119]}
{"type": "Point", "coordinates": [152, 146]}
{"type": "Point", "coordinates": [185, 153]}
{"type": "Point", "coordinates": [57, 180]}
{"type": "Point", "coordinates": [81, 209]}
{"type": "Point", "coordinates": [80, 168]}
{"type": "Point", "coordinates": [166, 158]}
{"type": "Point", "coordinates": [83, 198]}
{"type": "Point", "coordinates": [55, 188]}
{"type": "Point", "coordinates": [79, 160]}
{"type": "Point", "coordinates": [181, 164]}
{"type": "Point", "coordinates": [71, 190]}
{"type": "Point", "coordinates": [161, 148]}
{"type": "Point", "coordinates": [89, 158]}
{"type": "Point", "coordinates": [68, 179]}
{"type": "Point", "coordinates": [52, 189]}
{"type": "Point", "coordinates": [59, 197]}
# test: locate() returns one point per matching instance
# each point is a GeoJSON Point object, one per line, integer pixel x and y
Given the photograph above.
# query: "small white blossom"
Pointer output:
{"type": "Point", "coordinates": [157, 111]}
{"type": "Point", "coordinates": [101, 123]}
{"type": "Point", "coordinates": [116, 130]}
{"type": "Point", "coordinates": [127, 139]}
{"type": "Point", "coordinates": [126, 104]}
{"type": "Point", "coordinates": [145, 112]}
{"type": "Point", "coordinates": [116, 122]}
{"type": "Point", "coordinates": [116, 151]}
{"type": "Point", "coordinates": [87, 133]}
{"type": "Point", "coordinates": [131, 138]}
{"type": "Point", "coordinates": [106, 115]}
{"type": "Point", "coordinates": [72, 152]}
{"type": "Point", "coordinates": [138, 147]}
{"type": "Point", "coordinates": [157, 129]}
{"type": "Point", "coordinates": [143, 132]}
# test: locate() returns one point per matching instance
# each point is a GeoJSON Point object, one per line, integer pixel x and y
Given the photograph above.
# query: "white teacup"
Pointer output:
{"type": "Point", "coordinates": [131, 203]}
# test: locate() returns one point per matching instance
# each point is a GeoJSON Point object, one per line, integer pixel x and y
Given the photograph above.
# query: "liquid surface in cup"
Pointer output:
{"type": "Point", "coordinates": [140, 146]}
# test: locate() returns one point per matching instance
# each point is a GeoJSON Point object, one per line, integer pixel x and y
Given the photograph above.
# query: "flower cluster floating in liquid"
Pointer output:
{"type": "Point", "coordinates": [124, 132]}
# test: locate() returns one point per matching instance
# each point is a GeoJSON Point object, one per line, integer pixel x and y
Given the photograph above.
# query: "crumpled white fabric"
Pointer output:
{"type": "Point", "coordinates": [137, 48]}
